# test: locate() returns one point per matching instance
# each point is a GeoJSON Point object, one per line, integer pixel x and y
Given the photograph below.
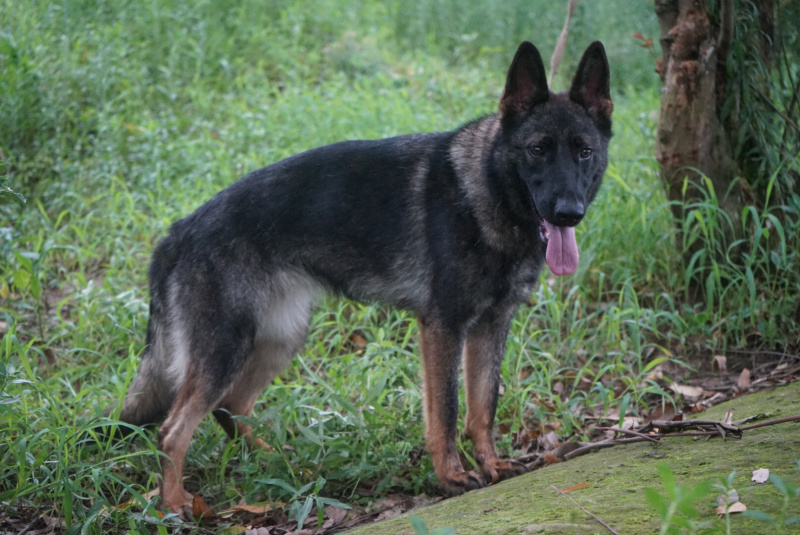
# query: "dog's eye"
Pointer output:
{"type": "Point", "coordinates": [536, 150]}
{"type": "Point", "coordinates": [586, 154]}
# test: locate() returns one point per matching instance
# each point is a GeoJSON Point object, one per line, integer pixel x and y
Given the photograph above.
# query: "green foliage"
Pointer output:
{"type": "Point", "coordinates": [421, 529]}
{"type": "Point", "coordinates": [789, 506]}
{"type": "Point", "coordinates": [761, 108]}
{"type": "Point", "coordinates": [676, 509]}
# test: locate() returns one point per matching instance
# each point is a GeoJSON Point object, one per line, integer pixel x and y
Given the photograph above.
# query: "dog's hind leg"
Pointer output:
{"type": "Point", "coordinates": [483, 354]}
{"type": "Point", "coordinates": [174, 436]}
{"type": "Point", "coordinates": [266, 362]}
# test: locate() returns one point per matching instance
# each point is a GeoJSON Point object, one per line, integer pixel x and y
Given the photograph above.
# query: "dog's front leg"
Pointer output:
{"type": "Point", "coordinates": [485, 347]}
{"type": "Point", "coordinates": [441, 352]}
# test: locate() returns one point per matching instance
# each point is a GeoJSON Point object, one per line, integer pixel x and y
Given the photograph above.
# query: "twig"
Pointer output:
{"type": "Point", "coordinates": [561, 44]}
{"type": "Point", "coordinates": [690, 424]}
{"type": "Point", "coordinates": [629, 432]}
{"type": "Point", "coordinates": [795, 418]}
{"type": "Point", "coordinates": [609, 528]}
{"type": "Point", "coordinates": [759, 352]}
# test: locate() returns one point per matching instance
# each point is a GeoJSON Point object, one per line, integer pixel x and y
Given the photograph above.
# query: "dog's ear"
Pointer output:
{"type": "Point", "coordinates": [526, 83]}
{"type": "Point", "coordinates": [590, 87]}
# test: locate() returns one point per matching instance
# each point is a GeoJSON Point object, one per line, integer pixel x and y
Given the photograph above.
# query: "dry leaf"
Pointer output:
{"type": "Point", "coordinates": [358, 340]}
{"type": "Point", "coordinates": [50, 355]}
{"type": "Point", "coordinates": [687, 391]}
{"type": "Point", "coordinates": [200, 508]}
{"type": "Point", "coordinates": [663, 411]}
{"type": "Point", "coordinates": [551, 459]}
{"type": "Point", "coordinates": [744, 379]}
{"type": "Point", "coordinates": [761, 475]}
{"type": "Point", "coordinates": [152, 494]}
{"type": "Point", "coordinates": [549, 440]}
{"type": "Point", "coordinates": [576, 487]}
{"type": "Point", "coordinates": [3, 327]}
{"type": "Point", "coordinates": [737, 507]}
{"type": "Point", "coordinates": [335, 515]}
{"type": "Point", "coordinates": [255, 509]}
{"type": "Point", "coordinates": [656, 374]}
{"type": "Point", "coordinates": [722, 363]}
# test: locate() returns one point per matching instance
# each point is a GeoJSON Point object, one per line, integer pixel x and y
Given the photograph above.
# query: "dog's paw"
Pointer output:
{"type": "Point", "coordinates": [461, 482]}
{"type": "Point", "coordinates": [494, 470]}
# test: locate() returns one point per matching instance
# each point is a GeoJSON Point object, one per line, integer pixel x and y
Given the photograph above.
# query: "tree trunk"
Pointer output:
{"type": "Point", "coordinates": [691, 141]}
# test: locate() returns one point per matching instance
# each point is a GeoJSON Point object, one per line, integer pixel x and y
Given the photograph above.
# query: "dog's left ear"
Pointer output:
{"type": "Point", "coordinates": [591, 85]}
{"type": "Point", "coordinates": [526, 83]}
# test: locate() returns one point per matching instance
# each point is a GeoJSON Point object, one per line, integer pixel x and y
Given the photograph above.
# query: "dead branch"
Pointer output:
{"type": "Point", "coordinates": [795, 418]}
{"type": "Point", "coordinates": [561, 44]}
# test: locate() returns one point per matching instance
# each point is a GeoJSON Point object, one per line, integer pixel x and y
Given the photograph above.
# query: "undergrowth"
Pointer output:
{"type": "Point", "coordinates": [117, 119]}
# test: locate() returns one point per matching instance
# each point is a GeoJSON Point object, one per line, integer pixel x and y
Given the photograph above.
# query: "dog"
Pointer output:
{"type": "Point", "coordinates": [455, 226]}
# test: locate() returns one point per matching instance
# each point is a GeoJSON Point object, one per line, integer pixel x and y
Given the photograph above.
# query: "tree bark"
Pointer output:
{"type": "Point", "coordinates": [691, 141]}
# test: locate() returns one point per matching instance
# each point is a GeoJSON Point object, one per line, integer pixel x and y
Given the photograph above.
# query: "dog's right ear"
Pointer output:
{"type": "Point", "coordinates": [526, 83]}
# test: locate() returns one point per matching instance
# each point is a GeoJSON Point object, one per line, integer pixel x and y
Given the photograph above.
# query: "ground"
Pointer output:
{"type": "Point", "coordinates": [617, 477]}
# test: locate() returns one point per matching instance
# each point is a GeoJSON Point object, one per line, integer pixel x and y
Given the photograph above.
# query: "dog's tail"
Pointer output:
{"type": "Point", "coordinates": [149, 396]}
{"type": "Point", "coordinates": [151, 393]}
{"type": "Point", "coordinates": [148, 399]}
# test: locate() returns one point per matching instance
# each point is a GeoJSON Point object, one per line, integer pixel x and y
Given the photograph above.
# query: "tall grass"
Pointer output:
{"type": "Point", "coordinates": [118, 118]}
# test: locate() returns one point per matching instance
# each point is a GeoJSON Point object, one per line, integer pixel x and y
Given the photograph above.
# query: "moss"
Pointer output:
{"type": "Point", "coordinates": [528, 504]}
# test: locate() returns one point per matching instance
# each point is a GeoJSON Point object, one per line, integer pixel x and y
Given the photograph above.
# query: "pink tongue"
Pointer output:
{"type": "Point", "coordinates": [562, 249]}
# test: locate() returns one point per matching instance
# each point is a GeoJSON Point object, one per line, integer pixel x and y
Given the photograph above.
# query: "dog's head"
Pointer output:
{"type": "Point", "coordinates": [557, 144]}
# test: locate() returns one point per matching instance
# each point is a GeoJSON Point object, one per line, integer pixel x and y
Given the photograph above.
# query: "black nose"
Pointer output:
{"type": "Point", "coordinates": [569, 213]}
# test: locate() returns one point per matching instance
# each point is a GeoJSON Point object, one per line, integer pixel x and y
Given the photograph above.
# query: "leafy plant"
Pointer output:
{"type": "Point", "coordinates": [301, 502]}
{"type": "Point", "coordinates": [422, 529]}
{"type": "Point", "coordinates": [788, 492]}
{"type": "Point", "coordinates": [676, 508]}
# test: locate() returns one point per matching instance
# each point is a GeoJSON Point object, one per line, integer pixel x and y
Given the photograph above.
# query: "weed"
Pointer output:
{"type": "Point", "coordinates": [788, 493]}
{"type": "Point", "coordinates": [676, 508]}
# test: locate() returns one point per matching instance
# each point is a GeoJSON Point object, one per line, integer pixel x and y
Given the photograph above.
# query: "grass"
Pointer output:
{"type": "Point", "coordinates": [118, 119]}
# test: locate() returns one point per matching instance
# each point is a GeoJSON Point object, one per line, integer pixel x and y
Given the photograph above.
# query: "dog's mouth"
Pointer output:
{"type": "Point", "coordinates": [562, 249]}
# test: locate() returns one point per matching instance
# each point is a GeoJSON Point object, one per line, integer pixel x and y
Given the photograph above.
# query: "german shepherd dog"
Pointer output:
{"type": "Point", "coordinates": [454, 226]}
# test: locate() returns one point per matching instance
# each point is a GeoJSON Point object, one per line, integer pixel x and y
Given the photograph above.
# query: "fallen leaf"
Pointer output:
{"type": "Point", "coordinates": [3, 327]}
{"type": "Point", "coordinates": [549, 440]}
{"type": "Point", "coordinates": [576, 487]}
{"type": "Point", "coordinates": [551, 459]}
{"type": "Point", "coordinates": [358, 340]}
{"type": "Point", "coordinates": [744, 379]}
{"type": "Point", "coordinates": [737, 507]}
{"type": "Point", "coordinates": [255, 509]}
{"type": "Point", "coordinates": [50, 355]}
{"type": "Point", "coordinates": [662, 411]}
{"type": "Point", "coordinates": [235, 530]}
{"type": "Point", "coordinates": [656, 374]}
{"type": "Point", "coordinates": [200, 508]}
{"type": "Point", "coordinates": [334, 515]}
{"type": "Point", "coordinates": [761, 475]}
{"type": "Point", "coordinates": [687, 391]}
{"type": "Point", "coordinates": [722, 363]}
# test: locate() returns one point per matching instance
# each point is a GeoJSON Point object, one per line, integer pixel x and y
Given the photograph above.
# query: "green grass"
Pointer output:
{"type": "Point", "coordinates": [115, 120]}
